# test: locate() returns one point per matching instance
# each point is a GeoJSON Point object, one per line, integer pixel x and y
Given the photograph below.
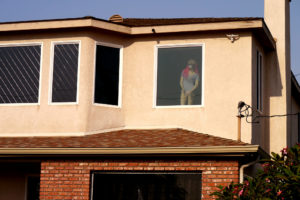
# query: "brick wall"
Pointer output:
{"type": "Point", "coordinates": [69, 179]}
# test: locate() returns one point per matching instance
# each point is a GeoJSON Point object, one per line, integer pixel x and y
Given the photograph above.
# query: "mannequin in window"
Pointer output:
{"type": "Point", "coordinates": [189, 81]}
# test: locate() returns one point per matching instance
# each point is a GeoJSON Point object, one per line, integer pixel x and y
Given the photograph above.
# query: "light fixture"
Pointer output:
{"type": "Point", "coordinates": [233, 37]}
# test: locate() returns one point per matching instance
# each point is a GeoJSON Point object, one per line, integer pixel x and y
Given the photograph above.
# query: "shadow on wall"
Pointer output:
{"type": "Point", "coordinates": [271, 87]}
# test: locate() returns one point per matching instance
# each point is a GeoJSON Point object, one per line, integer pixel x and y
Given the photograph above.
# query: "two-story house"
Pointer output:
{"type": "Point", "coordinates": [142, 108]}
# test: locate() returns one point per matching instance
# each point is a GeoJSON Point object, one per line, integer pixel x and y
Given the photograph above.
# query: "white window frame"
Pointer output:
{"type": "Point", "coordinates": [40, 75]}
{"type": "Point", "coordinates": [120, 74]}
{"type": "Point", "coordinates": [53, 43]}
{"type": "Point", "coordinates": [259, 81]}
{"type": "Point", "coordinates": [156, 70]}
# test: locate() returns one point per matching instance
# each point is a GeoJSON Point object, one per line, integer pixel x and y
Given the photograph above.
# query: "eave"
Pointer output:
{"type": "Point", "coordinates": [226, 151]}
{"type": "Point", "coordinates": [256, 25]}
{"type": "Point", "coordinates": [295, 88]}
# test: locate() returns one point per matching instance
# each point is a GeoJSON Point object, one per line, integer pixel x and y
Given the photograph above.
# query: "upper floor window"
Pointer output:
{"type": "Point", "coordinates": [259, 82]}
{"type": "Point", "coordinates": [65, 72]}
{"type": "Point", "coordinates": [107, 74]}
{"type": "Point", "coordinates": [20, 73]}
{"type": "Point", "coordinates": [179, 75]}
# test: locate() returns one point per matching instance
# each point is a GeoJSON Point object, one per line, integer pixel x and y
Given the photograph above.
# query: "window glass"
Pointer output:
{"type": "Point", "coordinates": [107, 75]}
{"type": "Point", "coordinates": [65, 70]}
{"type": "Point", "coordinates": [179, 72]}
{"type": "Point", "coordinates": [19, 74]}
{"type": "Point", "coordinates": [150, 186]}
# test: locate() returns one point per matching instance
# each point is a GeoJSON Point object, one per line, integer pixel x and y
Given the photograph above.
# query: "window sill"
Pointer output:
{"type": "Point", "coordinates": [106, 105]}
{"type": "Point", "coordinates": [181, 106]}
{"type": "Point", "coordinates": [19, 104]}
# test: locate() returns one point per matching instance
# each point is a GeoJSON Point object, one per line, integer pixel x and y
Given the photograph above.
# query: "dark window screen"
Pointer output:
{"type": "Point", "coordinates": [146, 186]}
{"type": "Point", "coordinates": [107, 75]}
{"type": "Point", "coordinates": [259, 82]}
{"type": "Point", "coordinates": [19, 74]}
{"type": "Point", "coordinates": [65, 70]}
{"type": "Point", "coordinates": [174, 80]}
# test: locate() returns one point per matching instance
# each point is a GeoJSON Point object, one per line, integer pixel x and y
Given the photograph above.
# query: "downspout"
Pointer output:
{"type": "Point", "coordinates": [245, 166]}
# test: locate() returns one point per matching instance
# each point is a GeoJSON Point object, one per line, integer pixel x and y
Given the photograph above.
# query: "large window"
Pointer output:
{"type": "Point", "coordinates": [259, 82]}
{"type": "Point", "coordinates": [65, 72]}
{"type": "Point", "coordinates": [179, 75]}
{"type": "Point", "coordinates": [107, 75]}
{"type": "Point", "coordinates": [146, 186]}
{"type": "Point", "coordinates": [20, 74]}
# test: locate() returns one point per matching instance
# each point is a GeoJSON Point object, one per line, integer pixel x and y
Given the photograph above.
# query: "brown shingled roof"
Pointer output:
{"type": "Point", "coordinates": [122, 139]}
{"type": "Point", "coordinates": [138, 22]}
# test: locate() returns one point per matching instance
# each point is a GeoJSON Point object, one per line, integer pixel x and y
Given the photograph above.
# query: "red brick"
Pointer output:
{"type": "Point", "coordinates": [72, 179]}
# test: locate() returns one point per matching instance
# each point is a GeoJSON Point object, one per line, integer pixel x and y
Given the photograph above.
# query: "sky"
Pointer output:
{"type": "Point", "coordinates": [22, 10]}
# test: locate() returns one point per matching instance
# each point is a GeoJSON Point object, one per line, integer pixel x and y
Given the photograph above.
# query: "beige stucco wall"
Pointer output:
{"type": "Point", "coordinates": [277, 17]}
{"type": "Point", "coordinates": [51, 119]}
{"type": "Point", "coordinates": [260, 126]}
{"type": "Point", "coordinates": [225, 65]}
{"type": "Point", "coordinates": [227, 80]}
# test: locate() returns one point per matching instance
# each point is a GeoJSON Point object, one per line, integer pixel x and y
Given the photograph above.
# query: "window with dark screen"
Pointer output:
{"type": "Point", "coordinates": [146, 186]}
{"type": "Point", "coordinates": [259, 66]}
{"type": "Point", "coordinates": [107, 75]}
{"type": "Point", "coordinates": [20, 74]}
{"type": "Point", "coordinates": [179, 75]}
{"type": "Point", "coordinates": [65, 72]}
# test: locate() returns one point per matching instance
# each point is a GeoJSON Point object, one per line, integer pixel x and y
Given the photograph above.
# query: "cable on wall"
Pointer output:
{"type": "Point", "coordinates": [245, 110]}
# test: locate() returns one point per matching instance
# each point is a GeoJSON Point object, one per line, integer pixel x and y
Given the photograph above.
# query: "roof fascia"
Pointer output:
{"type": "Point", "coordinates": [63, 24]}
{"type": "Point", "coordinates": [4, 152]}
{"type": "Point", "coordinates": [252, 25]}
{"type": "Point", "coordinates": [215, 26]}
{"type": "Point", "coordinates": [295, 87]}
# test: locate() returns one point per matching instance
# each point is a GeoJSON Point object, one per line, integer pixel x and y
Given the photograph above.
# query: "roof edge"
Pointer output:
{"type": "Point", "coordinates": [131, 151]}
{"type": "Point", "coordinates": [122, 28]}
{"type": "Point", "coordinates": [295, 82]}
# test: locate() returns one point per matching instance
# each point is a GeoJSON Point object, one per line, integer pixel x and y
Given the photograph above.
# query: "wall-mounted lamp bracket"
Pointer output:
{"type": "Point", "coordinates": [233, 37]}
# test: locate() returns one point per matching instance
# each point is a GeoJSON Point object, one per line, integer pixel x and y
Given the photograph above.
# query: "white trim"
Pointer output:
{"type": "Point", "coordinates": [53, 43]}
{"type": "Point", "coordinates": [156, 70]}
{"type": "Point", "coordinates": [41, 44]}
{"type": "Point", "coordinates": [120, 47]}
{"type": "Point", "coordinates": [135, 150]}
{"type": "Point", "coordinates": [41, 72]}
{"type": "Point", "coordinates": [21, 44]}
{"type": "Point", "coordinates": [202, 75]}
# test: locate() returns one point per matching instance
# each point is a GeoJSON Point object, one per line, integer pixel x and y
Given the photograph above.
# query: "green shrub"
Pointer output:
{"type": "Point", "coordinates": [279, 179]}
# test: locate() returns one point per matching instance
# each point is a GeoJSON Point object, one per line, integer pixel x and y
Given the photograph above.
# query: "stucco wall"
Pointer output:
{"type": "Point", "coordinates": [63, 119]}
{"type": "Point", "coordinates": [261, 125]}
{"type": "Point", "coordinates": [226, 81]}
{"type": "Point", "coordinates": [227, 72]}
{"type": "Point", "coordinates": [277, 17]}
